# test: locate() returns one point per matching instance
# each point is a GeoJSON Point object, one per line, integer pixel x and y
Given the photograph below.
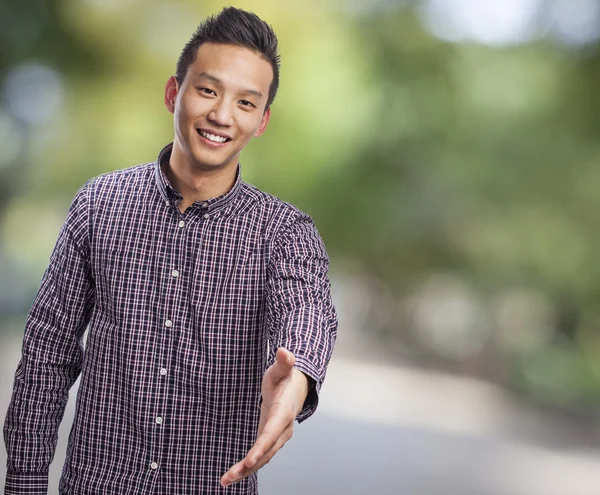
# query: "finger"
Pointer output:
{"type": "Point", "coordinates": [278, 421]}
{"type": "Point", "coordinates": [281, 441]}
{"type": "Point", "coordinates": [285, 357]}
{"type": "Point", "coordinates": [234, 474]}
{"type": "Point", "coordinates": [284, 363]}
{"type": "Point", "coordinates": [241, 470]}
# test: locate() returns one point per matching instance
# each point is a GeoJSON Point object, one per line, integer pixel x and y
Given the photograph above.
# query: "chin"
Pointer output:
{"type": "Point", "coordinates": [203, 163]}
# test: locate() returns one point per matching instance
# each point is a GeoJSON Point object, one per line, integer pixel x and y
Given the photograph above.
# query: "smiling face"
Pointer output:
{"type": "Point", "coordinates": [220, 105]}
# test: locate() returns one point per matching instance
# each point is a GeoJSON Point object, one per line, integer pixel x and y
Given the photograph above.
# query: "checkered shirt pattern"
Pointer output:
{"type": "Point", "coordinates": [184, 313]}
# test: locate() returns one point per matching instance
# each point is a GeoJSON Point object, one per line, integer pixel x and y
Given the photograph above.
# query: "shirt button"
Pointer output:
{"type": "Point", "coordinates": [205, 215]}
{"type": "Point", "coordinates": [163, 371]}
{"type": "Point", "coordinates": [167, 203]}
{"type": "Point", "coordinates": [181, 224]}
{"type": "Point", "coordinates": [168, 323]}
{"type": "Point", "coordinates": [175, 273]}
{"type": "Point", "coordinates": [154, 465]}
{"type": "Point", "coordinates": [159, 420]}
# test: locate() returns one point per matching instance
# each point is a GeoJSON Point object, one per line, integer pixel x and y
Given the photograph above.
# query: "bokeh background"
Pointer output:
{"type": "Point", "coordinates": [449, 152]}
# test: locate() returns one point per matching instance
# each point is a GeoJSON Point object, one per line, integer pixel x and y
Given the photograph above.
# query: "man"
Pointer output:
{"type": "Point", "coordinates": [193, 283]}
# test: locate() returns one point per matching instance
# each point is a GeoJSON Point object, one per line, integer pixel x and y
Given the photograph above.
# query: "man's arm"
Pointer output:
{"type": "Point", "coordinates": [300, 310]}
{"type": "Point", "coordinates": [303, 326]}
{"type": "Point", "coordinates": [51, 357]}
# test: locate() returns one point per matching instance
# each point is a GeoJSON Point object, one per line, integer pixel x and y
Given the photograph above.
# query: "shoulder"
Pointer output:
{"type": "Point", "coordinates": [276, 214]}
{"type": "Point", "coordinates": [287, 228]}
{"type": "Point", "coordinates": [105, 194]}
{"type": "Point", "coordinates": [120, 181]}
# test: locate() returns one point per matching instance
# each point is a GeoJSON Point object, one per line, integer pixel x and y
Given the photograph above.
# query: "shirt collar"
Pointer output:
{"type": "Point", "coordinates": [171, 196]}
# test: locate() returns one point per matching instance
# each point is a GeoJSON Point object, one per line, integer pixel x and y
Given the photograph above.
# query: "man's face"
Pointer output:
{"type": "Point", "coordinates": [220, 104]}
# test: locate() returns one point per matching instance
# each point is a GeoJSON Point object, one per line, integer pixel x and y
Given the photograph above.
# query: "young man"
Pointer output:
{"type": "Point", "coordinates": [193, 283]}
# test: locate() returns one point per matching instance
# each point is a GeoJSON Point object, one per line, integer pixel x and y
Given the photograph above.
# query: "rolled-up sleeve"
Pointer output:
{"type": "Point", "coordinates": [300, 310]}
{"type": "Point", "coordinates": [52, 355]}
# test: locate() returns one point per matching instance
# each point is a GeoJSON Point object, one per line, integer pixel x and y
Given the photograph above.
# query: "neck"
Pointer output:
{"type": "Point", "coordinates": [196, 184]}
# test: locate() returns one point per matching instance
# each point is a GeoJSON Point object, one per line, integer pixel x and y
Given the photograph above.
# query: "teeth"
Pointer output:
{"type": "Point", "coordinates": [212, 137]}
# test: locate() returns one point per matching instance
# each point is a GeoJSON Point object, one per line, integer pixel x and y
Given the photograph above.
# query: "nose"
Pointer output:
{"type": "Point", "coordinates": [221, 114]}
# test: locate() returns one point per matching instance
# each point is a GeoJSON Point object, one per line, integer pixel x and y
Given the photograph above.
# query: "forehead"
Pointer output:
{"type": "Point", "coordinates": [233, 65]}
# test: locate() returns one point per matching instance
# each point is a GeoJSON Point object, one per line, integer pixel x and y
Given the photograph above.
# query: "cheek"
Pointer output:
{"type": "Point", "coordinates": [249, 124]}
{"type": "Point", "coordinates": [192, 108]}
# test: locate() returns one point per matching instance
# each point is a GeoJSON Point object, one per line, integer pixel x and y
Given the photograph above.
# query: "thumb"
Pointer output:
{"type": "Point", "coordinates": [284, 363]}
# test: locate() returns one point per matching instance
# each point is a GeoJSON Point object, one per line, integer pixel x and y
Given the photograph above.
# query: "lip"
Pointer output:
{"type": "Point", "coordinates": [210, 143]}
{"type": "Point", "coordinates": [210, 131]}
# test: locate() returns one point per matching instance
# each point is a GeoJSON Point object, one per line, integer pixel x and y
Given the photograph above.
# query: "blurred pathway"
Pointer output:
{"type": "Point", "coordinates": [389, 430]}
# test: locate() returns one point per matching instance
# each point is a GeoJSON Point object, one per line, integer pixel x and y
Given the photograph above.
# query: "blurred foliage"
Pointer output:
{"type": "Point", "coordinates": [457, 182]}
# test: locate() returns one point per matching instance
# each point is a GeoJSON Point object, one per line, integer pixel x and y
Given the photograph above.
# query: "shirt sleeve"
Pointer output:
{"type": "Point", "coordinates": [300, 311]}
{"type": "Point", "coordinates": [52, 356]}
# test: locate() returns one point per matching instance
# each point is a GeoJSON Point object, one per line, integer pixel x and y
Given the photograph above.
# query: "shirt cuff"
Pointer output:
{"type": "Point", "coordinates": [26, 484]}
{"type": "Point", "coordinates": [314, 386]}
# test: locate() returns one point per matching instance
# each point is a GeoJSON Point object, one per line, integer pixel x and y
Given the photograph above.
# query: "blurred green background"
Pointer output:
{"type": "Point", "coordinates": [448, 151]}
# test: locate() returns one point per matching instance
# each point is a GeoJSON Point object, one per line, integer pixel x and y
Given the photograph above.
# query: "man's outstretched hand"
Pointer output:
{"type": "Point", "coordinates": [284, 391]}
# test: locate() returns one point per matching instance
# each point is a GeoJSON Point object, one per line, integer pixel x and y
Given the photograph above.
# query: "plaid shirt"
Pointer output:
{"type": "Point", "coordinates": [185, 312]}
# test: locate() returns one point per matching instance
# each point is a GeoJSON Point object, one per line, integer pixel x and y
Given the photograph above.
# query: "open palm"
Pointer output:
{"type": "Point", "coordinates": [283, 392]}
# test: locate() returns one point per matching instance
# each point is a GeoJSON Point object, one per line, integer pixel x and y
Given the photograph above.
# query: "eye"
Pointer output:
{"type": "Point", "coordinates": [246, 103]}
{"type": "Point", "coordinates": [207, 91]}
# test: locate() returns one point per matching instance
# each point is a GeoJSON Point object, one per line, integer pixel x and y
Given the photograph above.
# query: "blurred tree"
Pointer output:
{"type": "Point", "coordinates": [458, 176]}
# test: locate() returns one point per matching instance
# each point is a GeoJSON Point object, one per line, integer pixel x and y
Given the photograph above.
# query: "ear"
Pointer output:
{"type": "Point", "coordinates": [263, 123]}
{"type": "Point", "coordinates": [171, 90]}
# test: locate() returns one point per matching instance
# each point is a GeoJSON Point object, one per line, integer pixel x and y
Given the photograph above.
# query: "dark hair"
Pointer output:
{"type": "Point", "coordinates": [234, 27]}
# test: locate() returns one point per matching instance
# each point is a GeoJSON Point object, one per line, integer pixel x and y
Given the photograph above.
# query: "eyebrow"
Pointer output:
{"type": "Point", "coordinates": [216, 80]}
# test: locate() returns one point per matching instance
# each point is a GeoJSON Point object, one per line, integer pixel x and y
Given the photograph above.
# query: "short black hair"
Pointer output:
{"type": "Point", "coordinates": [237, 27]}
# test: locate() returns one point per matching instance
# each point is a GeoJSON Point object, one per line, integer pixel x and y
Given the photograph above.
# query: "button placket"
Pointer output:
{"type": "Point", "coordinates": [173, 274]}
